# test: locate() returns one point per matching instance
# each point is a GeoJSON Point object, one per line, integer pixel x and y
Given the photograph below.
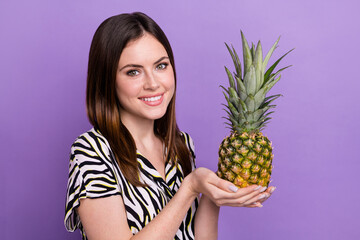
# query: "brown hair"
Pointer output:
{"type": "Point", "coordinates": [103, 105]}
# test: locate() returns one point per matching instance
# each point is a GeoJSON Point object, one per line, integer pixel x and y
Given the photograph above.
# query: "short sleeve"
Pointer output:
{"type": "Point", "coordinates": [91, 175]}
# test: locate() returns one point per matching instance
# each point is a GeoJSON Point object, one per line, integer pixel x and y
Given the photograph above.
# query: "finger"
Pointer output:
{"type": "Point", "coordinates": [221, 191]}
{"type": "Point", "coordinates": [270, 190]}
{"type": "Point", "coordinates": [218, 194]}
{"type": "Point", "coordinates": [249, 192]}
{"type": "Point", "coordinates": [243, 201]}
{"type": "Point", "coordinates": [255, 205]}
{"type": "Point", "coordinates": [259, 198]}
{"type": "Point", "coordinates": [247, 206]}
{"type": "Point", "coordinates": [223, 184]}
{"type": "Point", "coordinates": [242, 195]}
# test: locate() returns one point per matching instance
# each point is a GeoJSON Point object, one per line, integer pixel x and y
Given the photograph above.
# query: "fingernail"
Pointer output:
{"type": "Point", "coordinates": [262, 196]}
{"type": "Point", "coordinates": [263, 189]}
{"type": "Point", "coordinates": [260, 205]}
{"type": "Point", "coordinates": [233, 188]}
{"type": "Point", "coordinates": [257, 188]}
{"type": "Point", "coordinates": [272, 190]}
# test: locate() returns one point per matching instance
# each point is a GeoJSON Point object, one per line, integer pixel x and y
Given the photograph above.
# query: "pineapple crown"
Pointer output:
{"type": "Point", "coordinates": [247, 104]}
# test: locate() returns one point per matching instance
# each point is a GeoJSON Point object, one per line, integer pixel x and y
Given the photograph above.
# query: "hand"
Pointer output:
{"type": "Point", "coordinates": [225, 193]}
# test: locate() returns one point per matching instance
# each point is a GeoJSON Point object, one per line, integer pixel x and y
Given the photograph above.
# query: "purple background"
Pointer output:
{"type": "Point", "coordinates": [44, 49]}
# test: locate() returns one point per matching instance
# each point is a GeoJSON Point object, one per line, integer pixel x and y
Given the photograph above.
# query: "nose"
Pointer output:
{"type": "Point", "coordinates": [150, 82]}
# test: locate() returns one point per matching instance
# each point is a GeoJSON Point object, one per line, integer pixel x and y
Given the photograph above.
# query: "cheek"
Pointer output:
{"type": "Point", "coordinates": [126, 91]}
{"type": "Point", "coordinates": [169, 84]}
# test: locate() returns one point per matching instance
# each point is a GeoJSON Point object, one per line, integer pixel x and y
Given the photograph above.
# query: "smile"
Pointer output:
{"type": "Point", "coordinates": [153, 100]}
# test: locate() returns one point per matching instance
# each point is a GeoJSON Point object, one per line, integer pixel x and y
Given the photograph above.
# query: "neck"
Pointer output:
{"type": "Point", "coordinates": [142, 130]}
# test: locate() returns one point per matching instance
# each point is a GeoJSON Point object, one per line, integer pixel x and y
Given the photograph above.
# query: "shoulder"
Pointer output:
{"type": "Point", "coordinates": [90, 145]}
{"type": "Point", "coordinates": [92, 165]}
{"type": "Point", "coordinates": [91, 154]}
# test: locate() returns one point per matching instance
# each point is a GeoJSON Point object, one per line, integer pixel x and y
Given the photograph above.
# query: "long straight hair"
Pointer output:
{"type": "Point", "coordinates": [103, 107]}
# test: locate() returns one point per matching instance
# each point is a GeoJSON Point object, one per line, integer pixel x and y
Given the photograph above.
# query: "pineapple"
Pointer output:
{"type": "Point", "coordinates": [245, 157]}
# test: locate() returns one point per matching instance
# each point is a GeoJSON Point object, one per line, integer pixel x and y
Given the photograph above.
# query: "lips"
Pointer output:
{"type": "Point", "coordinates": [152, 100]}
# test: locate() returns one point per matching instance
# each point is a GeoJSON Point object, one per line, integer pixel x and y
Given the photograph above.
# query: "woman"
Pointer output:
{"type": "Point", "coordinates": [132, 176]}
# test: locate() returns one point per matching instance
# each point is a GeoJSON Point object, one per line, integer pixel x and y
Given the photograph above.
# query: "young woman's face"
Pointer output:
{"type": "Point", "coordinates": [145, 81]}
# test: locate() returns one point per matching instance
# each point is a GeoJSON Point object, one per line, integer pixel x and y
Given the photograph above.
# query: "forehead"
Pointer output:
{"type": "Point", "coordinates": [146, 49]}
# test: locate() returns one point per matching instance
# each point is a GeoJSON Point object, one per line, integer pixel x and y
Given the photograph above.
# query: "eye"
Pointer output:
{"type": "Point", "coordinates": [132, 73]}
{"type": "Point", "coordinates": [162, 66]}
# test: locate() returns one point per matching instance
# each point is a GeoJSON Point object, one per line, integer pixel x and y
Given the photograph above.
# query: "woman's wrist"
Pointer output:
{"type": "Point", "coordinates": [188, 184]}
{"type": "Point", "coordinates": [206, 200]}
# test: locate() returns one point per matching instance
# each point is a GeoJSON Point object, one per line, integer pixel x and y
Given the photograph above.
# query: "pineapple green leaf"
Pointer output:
{"type": "Point", "coordinates": [269, 85]}
{"type": "Point", "coordinates": [271, 106]}
{"type": "Point", "coordinates": [262, 126]}
{"type": "Point", "coordinates": [247, 54]}
{"type": "Point", "coordinates": [268, 55]}
{"type": "Point", "coordinates": [269, 71]}
{"type": "Point", "coordinates": [250, 103]}
{"type": "Point", "coordinates": [239, 71]}
{"type": "Point", "coordinates": [241, 88]}
{"type": "Point", "coordinates": [231, 79]}
{"type": "Point", "coordinates": [233, 122]}
{"type": "Point", "coordinates": [259, 76]}
{"type": "Point", "coordinates": [226, 111]}
{"type": "Point", "coordinates": [259, 113]}
{"type": "Point", "coordinates": [226, 97]}
{"type": "Point", "coordinates": [271, 78]}
{"type": "Point", "coordinates": [264, 115]}
{"type": "Point", "coordinates": [228, 101]}
{"type": "Point", "coordinates": [234, 98]}
{"type": "Point", "coordinates": [243, 105]}
{"type": "Point", "coordinates": [235, 59]}
{"type": "Point", "coordinates": [250, 81]}
{"type": "Point", "coordinates": [252, 50]}
{"type": "Point", "coordinates": [258, 57]}
{"type": "Point", "coordinates": [226, 107]}
{"type": "Point", "coordinates": [227, 91]}
{"type": "Point", "coordinates": [255, 124]}
{"type": "Point", "coordinates": [233, 110]}
{"type": "Point", "coordinates": [283, 69]}
{"type": "Point", "coordinates": [258, 66]}
{"type": "Point", "coordinates": [259, 97]}
{"type": "Point", "coordinates": [229, 125]}
{"type": "Point", "coordinates": [273, 97]}
{"type": "Point", "coordinates": [264, 120]}
{"type": "Point", "coordinates": [252, 116]}
{"type": "Point", "coordinates": [267, 105]}
{"type": "Point", "coordinates": [267, 101]}
{"type": "Point", "coordinates": [273, 75]}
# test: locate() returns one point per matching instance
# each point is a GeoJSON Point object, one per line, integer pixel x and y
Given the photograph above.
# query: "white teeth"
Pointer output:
{"type": "Point", "coordinates": [151, 99]}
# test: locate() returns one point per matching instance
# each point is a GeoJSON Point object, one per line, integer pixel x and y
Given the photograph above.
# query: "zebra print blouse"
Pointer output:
{"type": "Point", "coordinates": [94, 173]}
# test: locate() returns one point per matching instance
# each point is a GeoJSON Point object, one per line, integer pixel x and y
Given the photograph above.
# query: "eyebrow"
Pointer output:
{"type": "Point", "coordinates": [140, 66]}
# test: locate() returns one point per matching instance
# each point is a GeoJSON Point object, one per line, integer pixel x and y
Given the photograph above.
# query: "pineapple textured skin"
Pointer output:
{"type": "Point", "coordinates": [245, 159]}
